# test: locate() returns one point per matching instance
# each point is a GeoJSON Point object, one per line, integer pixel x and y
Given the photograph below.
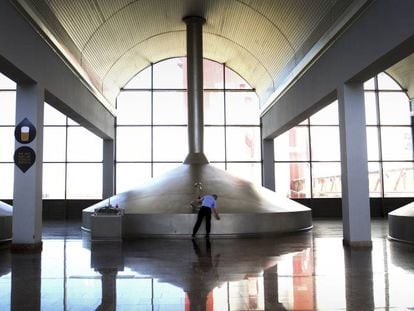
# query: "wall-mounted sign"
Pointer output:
{"type": "Point", "coordinates": [24, 158]}
{"type": "Point", "coordinates": [25, 132]}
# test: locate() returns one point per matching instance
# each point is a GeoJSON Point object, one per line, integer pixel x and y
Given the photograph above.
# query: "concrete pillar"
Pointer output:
{"type": "Point", "coordinates": [27, 196]}
{"type": "Point", "coordinates": [354, 166]}
{"type": "Point", "coordinates": [108, 168]}
{"type": "Point", "coordinates": [268, 169]}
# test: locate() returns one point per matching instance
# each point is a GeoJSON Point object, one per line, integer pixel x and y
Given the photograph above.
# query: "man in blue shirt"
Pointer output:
{"type": "Point", "coordinates": [208, 204]}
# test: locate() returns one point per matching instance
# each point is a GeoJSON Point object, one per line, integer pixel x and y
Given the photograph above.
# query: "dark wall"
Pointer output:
{"type": "Point", "coordinates": [331, 207]}
{"type": "Point", "coordinates": [63, 209]}
{"type": "Point", "coordinates": [326, 207]}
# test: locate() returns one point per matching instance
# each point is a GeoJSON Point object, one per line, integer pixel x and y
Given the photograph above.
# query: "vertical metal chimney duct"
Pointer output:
{"type": "Point", "coordinates": [195, 90]}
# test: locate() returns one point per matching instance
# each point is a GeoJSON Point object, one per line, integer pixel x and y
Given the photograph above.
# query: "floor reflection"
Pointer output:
{"type": "Point", "coordinates": [300, 272]}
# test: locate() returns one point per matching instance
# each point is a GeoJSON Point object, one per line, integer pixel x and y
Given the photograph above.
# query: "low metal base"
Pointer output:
{"type": "Point", "coordinates": [401, 224]}
{"type": "Point", "coordinates": [162, 207]}
{"type": "Point", "coordinates": [164, 225]}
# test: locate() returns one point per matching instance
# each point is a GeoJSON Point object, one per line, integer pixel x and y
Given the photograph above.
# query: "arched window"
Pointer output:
{"type": "Point", "coordinates": [152, 123]}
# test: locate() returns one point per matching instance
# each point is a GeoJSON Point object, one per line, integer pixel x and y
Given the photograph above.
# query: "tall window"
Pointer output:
{"type": "Point", "coordinates": [307, 157]}
{"type": "Point", "coordinates": [7, 123]}
{"type": "Point", "coordinates": [72, 156]}
{"type": "Point", "coordinates": [389, 131]}
{"type": "Point", "coordinates": [152, 123]}
{"type": "Point", "coordinates": [72, 159]}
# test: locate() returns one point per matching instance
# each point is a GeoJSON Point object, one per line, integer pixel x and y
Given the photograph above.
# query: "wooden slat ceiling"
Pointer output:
{"type": "Point", "coordinates": [112, 40]}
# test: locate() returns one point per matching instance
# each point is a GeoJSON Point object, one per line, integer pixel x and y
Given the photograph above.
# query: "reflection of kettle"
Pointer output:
{"type": "Point", "coordinates": [204, 278]}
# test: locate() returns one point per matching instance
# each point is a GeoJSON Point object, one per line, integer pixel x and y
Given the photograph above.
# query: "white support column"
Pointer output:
{"type": "Point", "coordinates": [108, 168]}
{"type": "Point", "coordinates": [27, 196]}
{"type": "Point", "coordinates": [355, 191]}
{"type": "Point", "coordinates": [268, 170]}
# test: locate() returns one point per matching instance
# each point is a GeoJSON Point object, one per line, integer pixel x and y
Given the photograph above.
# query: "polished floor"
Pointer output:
{"type": "Point", "coordinates": [306, 271]}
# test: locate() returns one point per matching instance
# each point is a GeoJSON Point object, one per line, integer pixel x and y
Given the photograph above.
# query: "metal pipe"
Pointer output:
{"type": "Point", "coordinates": [195, 89]}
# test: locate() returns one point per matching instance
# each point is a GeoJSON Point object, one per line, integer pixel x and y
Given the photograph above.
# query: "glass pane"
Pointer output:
{"type": "Point", "coordinates": [394, 108]}
{"type": "Point", "coordinates": [370, 84]}
{"type": "Point", "coordinates": [398, 179]}
{"type": "Point", "coordinates": [7, 108]}
{"type": "Point", "coordinates": [325, 143]}
{"type": "Point", "coordinates": [243, 144]}
{"type": "Point", "coordinates": [84, 181]}
{"type": "Point", "coordinates": [214, 143]}
{"type": "Point", "coordinates": [397, 143]}
{"type": "Point", "coordinates": [83, 145]}
{"type": "Point", "coordinates": [131, 175]}
{"type": "Point", "coordinates": [385, 82]}
{"type": "Point", "coordinates": [234, 81]}
{"type": "Point", "coordinates": [170, 143]}
{"type": "Point", "coordinates": [7, 142]}
{"type": "Point", "coordinates": [242, 108]}
{"type": "Point", "coordinates": [133, 143]}
{"type": "Point", "coordinates": [53, 116]}
{"type": "Point", "coordinates": [171, 74]}
{"type": "Point", "coordinates": [326, 116]}
{"type": "Point", "coordinates": [292, 145]}
{"type": "Point", "coordinates": [370, 109]}
{"type": "Point", "coordinates": [372, 143]}
{"type": "Point", "coordinates": [6, 181]}
{"type": "Point", "coordinates": [212, 75]}
{"type": "Point", "coordinates": [326, 180]}
{"type": "Point", "coordinates": [53, 181]}
{"type": "Point", "coordinates": [248, 171]}
{"type": "Point", "coordinates": [305, 122]}
{"type": "Point", "coordinates": [170, 108]}
{"type": "Point", "coordinates": [134, 108]}
{"type": "Point", "coordinates": [213, 108]}
{"type": "Point", "coordinates": [162, 168]}
{"type": "Point", "coordinates": [141, 81]}
{"type": "Point", "coordinates": [293, 179]}
{"type": "Point", "coordinates": [374, 177]}
{"type": "Point", "coordinates": [6, 83]}
{"type": "Point", "coordinates": [54, 144]}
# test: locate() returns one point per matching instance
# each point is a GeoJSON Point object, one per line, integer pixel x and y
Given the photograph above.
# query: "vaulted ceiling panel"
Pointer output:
{"type": "Point", "coordinates": [112, 40]}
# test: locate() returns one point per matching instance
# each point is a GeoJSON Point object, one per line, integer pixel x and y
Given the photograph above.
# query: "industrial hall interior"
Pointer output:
{"type": "Point", "coordinates": [206, 155]}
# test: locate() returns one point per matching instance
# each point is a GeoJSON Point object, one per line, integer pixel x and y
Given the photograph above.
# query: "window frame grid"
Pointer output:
{"type": "Point", "coordinates": [152, 126]}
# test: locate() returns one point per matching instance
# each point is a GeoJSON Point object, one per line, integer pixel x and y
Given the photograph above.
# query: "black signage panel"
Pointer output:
{"type": "Point", "coordinates": [24, 158]}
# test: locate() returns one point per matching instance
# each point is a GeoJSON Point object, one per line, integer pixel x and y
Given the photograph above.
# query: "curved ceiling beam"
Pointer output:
{"type": "Point", "coordinates": [274, 25]}
{"type": "Point", "coordinates": [114, 79]}
{"type": "Point", "coordinates": [105, 21]}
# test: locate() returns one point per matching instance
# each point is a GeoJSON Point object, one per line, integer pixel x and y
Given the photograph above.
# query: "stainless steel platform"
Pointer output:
{"type": "Point", "coordinates": [401, 224]}
{"type": "Point", "coordinates": [162, 207]}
